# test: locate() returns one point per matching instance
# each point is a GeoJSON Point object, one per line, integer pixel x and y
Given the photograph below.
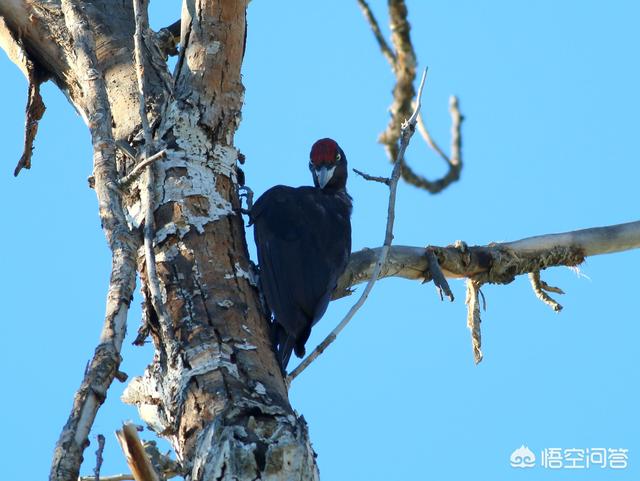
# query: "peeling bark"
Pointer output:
{"type": "Point", "coordinates": [214, 388]}
{"type": "Point", "coordinates": [35, 76]}
{"type": "Point", "coordinates": [219, 396]}
{"type": "Point", "coordinates": [222, 402]}
{"type": "Point", "coordinates": [497, 263]}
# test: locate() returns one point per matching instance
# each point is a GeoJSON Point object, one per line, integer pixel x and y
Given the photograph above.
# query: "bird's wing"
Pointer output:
{"type": "Point", "coordinates": [303, 238]}
{"type": "Point", "coordinates": [291, 244]}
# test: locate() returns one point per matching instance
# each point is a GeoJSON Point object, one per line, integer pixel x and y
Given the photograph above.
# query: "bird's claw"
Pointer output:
{"type": "Point", "coordinates": [247, 193]}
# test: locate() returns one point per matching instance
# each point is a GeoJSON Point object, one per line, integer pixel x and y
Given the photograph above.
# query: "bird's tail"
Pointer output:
{"type": "Point", "coordinates": [283, 344]}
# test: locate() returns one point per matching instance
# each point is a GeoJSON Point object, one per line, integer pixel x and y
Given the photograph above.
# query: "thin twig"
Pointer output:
{"type": "Point", "coordinates": [539, 287]}
{"type": "Point", "coordinates": [140, 19]}
{"type": "Point", "coordinates": [422, 128]}
{"type": "Point", "coordinates": [409, 126]}
{"type": "Point", "coordinates": [402, 58]}
{"type": "Point", "coordinates": [148, 193]}
{"type": "Point", "coordinates": [439, 280]}
{"type": "Point", "coordinates": [115, 477]}
{"type": "Point", "coordinates": [456, 137]}
{"type": "Point", "coordinates": [549, 288]}
{"type": "Point", "coordinates": [373, 178]}
{"type": "Point", "coordinates": [99, 459]}
{"type": "Point", "coordinates": [162, 464]}
{"type": "Point", "coordinates": [377, 33]}
{"type": "Point", "coordinates": [139, 168]}
{"type": "Point", "coordinates": [455, 161]}
{"type": "Point", "coordinates": [408, 129]}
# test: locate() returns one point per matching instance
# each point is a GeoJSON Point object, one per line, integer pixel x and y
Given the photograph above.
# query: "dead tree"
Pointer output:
{"type": "Point", "coordinates": [166, 177]}
{"type": "Point", "coordinates": [214, 381]}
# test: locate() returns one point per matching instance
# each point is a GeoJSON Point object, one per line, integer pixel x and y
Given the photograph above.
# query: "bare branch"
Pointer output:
{"type": "Point", "coordinates": [403, 64]}
{"type": "Point", "coordinates": [405, 72]}
{"type": "Point", "coordinates": [34, 112]}
{"type": "Point", "coordinates": [409, 125]}
{"type": "Point", "coordinates": [456, 137]}
{"type": "Point", "coordinates": [139, 168]}
{"type": "Point", "coordinates": [500, 262]}
{"type": "Point", "coordinates": [494, 263]}
{"type": "Point", "coordinates": [104, 365]}
{"type": "Point", "coordinates": [454, 162]}
{"type": "Point", "coordinates": [115, 477]}
{"type": "Point", "coordinates": [422, 128]}
{"type": "Point", "coordinates": [136, 456]}
{"type": "Point", "coordinates": [539, 287]}
{"type": "Point", "coordinates": [473, 318]}
{"type": "Point", "coordinates": [408, 128]}
{"type": "Point", "coordinates": [35, 76]}
{"type": "Point", "coordinates": [99, 459]}
{"type": "Point", "coordinates": [162, 464]}
{"type": "Point", "coordinates": [375, 28]}
{"type": "Point", "coordinates": [148, 192]}
{"type": "Point", "coordinates": [141, 22]}
{"type": "Point", "coordinates": [438, 277]}
{"type": "Point", "coordinates": [373, 178]}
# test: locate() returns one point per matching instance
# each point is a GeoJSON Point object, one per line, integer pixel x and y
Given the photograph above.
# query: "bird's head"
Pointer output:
{"type": "Point", "coordinates": [328, 165]}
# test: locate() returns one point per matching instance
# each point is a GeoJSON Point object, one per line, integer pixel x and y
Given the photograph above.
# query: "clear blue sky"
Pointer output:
{"type": "Point", "coordinates": [550, 95]}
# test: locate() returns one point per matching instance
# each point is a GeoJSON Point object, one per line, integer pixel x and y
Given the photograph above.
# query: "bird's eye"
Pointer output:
{"type": "Point", "coordinates": [310, 164]}
{"type": "Point", "coordinates": [338, 157]}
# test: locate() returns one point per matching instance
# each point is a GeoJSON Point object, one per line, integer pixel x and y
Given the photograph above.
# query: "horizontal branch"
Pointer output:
{"type": "Point", "coordinates": [494, 263]}
{"type": "Point", "coordinates": [115, 477]}
{"type": "Point", "coordinates": [497, 263]}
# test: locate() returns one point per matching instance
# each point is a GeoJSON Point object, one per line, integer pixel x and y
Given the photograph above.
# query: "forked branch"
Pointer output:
{"type": "Point", "coordinates": [402, 59]}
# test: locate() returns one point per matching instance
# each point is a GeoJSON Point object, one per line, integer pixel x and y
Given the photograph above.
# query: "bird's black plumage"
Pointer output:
{"type": "Point", "coordinates": [303, 238]}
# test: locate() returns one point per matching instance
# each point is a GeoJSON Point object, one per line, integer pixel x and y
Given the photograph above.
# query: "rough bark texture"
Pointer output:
{"type": "Point", "coordinates": [214, 388]}
{"type": "Point", "coordinates": [495, 263]}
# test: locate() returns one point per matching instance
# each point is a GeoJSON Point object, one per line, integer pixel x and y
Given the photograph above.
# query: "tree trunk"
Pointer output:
{"type": "Point", "coordinates": [214, 388]}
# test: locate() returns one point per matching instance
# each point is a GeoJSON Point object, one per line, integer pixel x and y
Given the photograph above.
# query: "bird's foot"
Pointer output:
{"type": "Point", "coordinates": [246, 193]}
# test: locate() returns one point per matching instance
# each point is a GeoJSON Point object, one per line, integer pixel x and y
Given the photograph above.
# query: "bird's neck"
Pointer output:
{"type": "Point", "coordinates": [334, 190]}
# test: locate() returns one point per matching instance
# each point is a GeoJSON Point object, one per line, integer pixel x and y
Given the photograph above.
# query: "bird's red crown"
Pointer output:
{"type": "Point", "coordinates": [324, 152]}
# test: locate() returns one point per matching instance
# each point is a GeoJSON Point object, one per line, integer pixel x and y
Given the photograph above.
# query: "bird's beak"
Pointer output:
{"type": "Point", "coordinates": [324, 174]}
